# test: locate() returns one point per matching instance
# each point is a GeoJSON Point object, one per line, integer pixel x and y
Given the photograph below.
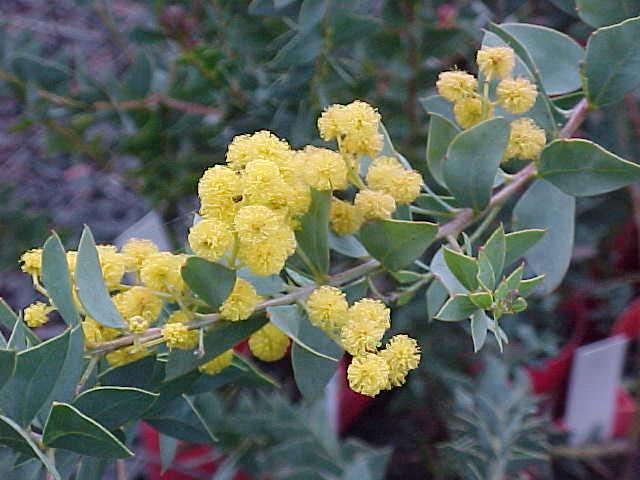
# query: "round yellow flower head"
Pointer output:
{"type": "Point", "coordinates": [162, 272]}
{"type": "Point", "coordinates": [328, 308]}
{"type": "Point", "coordinates": [526, 140]}
{"type": "Point", "coordinates": [241, 302]}
{"type": "Point", "coordinates": [210, 239]}
{"type": "Point", "coordinates": [215, 366]}
{"type": "Point", "coordinates": [262, 145]}
{"type": "Point", "coordinates": [324, 169]}
{"type": "Point", "coordinates": [177, 335]}
{"type": "Point", "coordinates": [386, 174]}
{"type": "Point", "coordinates": [356, 126]}
{"type": "Point", "coordinates": [345, 218]}
{"type": "Point", "coordinates": [516, 95]}
{"type": "Point", "coordinates": [468, 112]}
{"type": "Point", "coordinates": [263, 185]}
{"type": "Point", "coordinates": [267, 257]}
{"type": "Point", "coordinates": [269, 343]}
{"type": "Point", "coordinates": [126, 355]}
{"type": "Point", "coordinates": [367, 320]}
{"type": "Point", "coordinates": [113, 265]}
{"type": "Point", "coordinates": [496, 62]}
{"type": "Point", "coordinates": [139, 301]}
{"type": "Point", "coordinates": [138, 324]}
{"type": "Point", "coordinates": [32, 262]}
{"type": "Point", "coordinates": [220, 190]}
{"type": "Point", "coordinates": [35, 315]}
{"type": "Point", "coordinates": [136, 250]}
{"type": "Point", "coordinates": [402, 354]}
{"type": "Point", "coordinates": [368, 374]}
{"type": "Point", "coordinates": [456, 85]}
{"type": "Point", "coordinates": [257, 223]}
{"type": "Point", "coordinates": [374, 205]}
{"type": "Point", "coordinates": [94, 333]}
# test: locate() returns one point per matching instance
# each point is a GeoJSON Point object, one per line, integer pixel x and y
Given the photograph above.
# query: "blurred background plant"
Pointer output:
{"type": "Point", "coordinates": [111, 108]}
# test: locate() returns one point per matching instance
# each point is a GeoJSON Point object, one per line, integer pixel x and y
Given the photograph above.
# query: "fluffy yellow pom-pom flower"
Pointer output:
{"type": "Point", "coordinates": [262, 145]}
{"type": "Point", "coordinates": [468, 112]}
{"type": "Point", "coordinates": [263, 185]}
{"type": "Point", "coordinates": [210, 239]}
{"type": "Point", "coordinates": [324, 169]}
{"type": "Point", "coordinates": [345, 218]}
{"type": "Point", "coordinates": [139, 301]}
{"type": "Point", "coordinates": [368, 374]}
{"type": "Point", "coordinates": [374, 205]}
{"type": "Point", "coordinates": [95, 333]}
{"type": "Point", "coordinates": [162, 272]}
{"type": "Point", "coordinates": [136, 250]}
{"type": "Point", "coordinates": [269, 343]}
{"type": "Point", "coordinates": [126, 355]}
{"type": "Point", "coordinates": [496, 62]}
{"type": "Point", "coordinates": [328, 308]}
{"type": "Point", "coordinates": [526, 140]}
{"type": "Point", "coordinates": [402, 354]}
{"type": "Point", "coordinates": [367, 320]}
{"type": "Point", "coordinates": [355, 126]}
{"type": "Point", "coordinates": [215, 366]}
{"type": "Point", "coordinates": [32, 262]}
{"type": "Point", "coordinates": [36, 314]}
{"type": "Point", "coordinates": [241, 302]}
{"type": "Point", "coordinates": [386, 174]}
{"type": "Point", "coordinates": [257, 223]}
{"type": "Point", "coordinates": [178, 335]}
{"type": "Point", "coordinates": [220, 190]}
{"type": "Point", "coordinates": [456, 85]}
{"type": "Point", "coordinates": [113, 265]}
{"type": "Point", "coordinates": [516, 95]}
{"type": "Point", "coordinates": [267, 257]}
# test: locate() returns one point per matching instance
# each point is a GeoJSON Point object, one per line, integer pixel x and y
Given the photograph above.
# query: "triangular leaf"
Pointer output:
{"type": "Point", "coordinates": [57, 281]}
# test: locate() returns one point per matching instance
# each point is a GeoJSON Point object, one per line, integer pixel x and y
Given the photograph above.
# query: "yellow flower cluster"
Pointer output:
{"type": "Point", "coordinates": [241, 303]}
{"type": "Point", "coordinates": [472, 105]}
{"type": "Point", "coordinates": [215, 366]}
{"type": "Point", "coordinates": [354, 126]}
{"type": "Point", "coordinates": [360, 329]}
{"type": "Point", "coordinates": [36, 314]}
{"type": "Point", "coordinates": [269, 344]}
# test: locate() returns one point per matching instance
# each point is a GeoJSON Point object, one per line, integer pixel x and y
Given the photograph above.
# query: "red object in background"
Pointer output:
{"type": "Point", "coordinates": [447, 14]}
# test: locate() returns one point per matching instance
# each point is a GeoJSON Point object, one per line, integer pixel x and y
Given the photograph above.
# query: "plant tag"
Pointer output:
{"type": "Point", "coordinates": [595, 377]}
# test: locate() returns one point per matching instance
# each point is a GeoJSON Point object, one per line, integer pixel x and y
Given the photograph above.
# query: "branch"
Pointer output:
{"type": "Point", "coordinates": [462, 220]}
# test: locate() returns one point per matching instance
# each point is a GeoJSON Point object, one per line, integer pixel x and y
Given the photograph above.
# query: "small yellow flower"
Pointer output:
{"type": "Point", "coordinates": [386, 174]}
{"type": "Point", "coordinates": [241, 302]}
{"type": "Point", "coordinates": [328, 308]}
{"type": "Point", "coordinates": [215, 366]}
{"type": "Point", "coordinates": [402, 354]}
{"type": "Point", "coordinates": [368, 374]}
{"type": "Point", "coordinates": [220, 191]}
{"type": "Point", "coordinates": [138, 324]}
{"type": "Point", "coordinates": [36, 314]}
{"type": "Point", "coordinates": [257, 223]}
{"type": "Point", "coordinates": [177, 335]}
{"type": "Point", "coordinates": [181, 316]}
{"type": "Point", "coordinates": [468, 112]}
{"type": "Point", "coordinates": [162, 272]}
{"type": "Point", "coordinates": [113, 265]}
{"type": "Point", "coordinates": [496, 62]}
{"type": "Point", "coordinates": [456, 85]}
{"type": "Point", "coordinates": [323, 169]}
{"type": "Point", "coordinates": [269, 343]}
{"type": "Point", "coordinates": [210, 239]}
{"type": "Point", "coordinates": [374, 205]}
{"type": "Point", "coordinates": [263, 185]}
{"type": "Point", "coordinates": [526, 140]}
{"type": "Point", "coordinates": [136, 250]}
{"type": "Point", "coordinates": [95, 333]}
{"type": "Point", "coordinates": [516, 95]}
{"type": "Point", "coordinates": [356, 126]}
{"type": "Point", "coordinates": [345, 218]}
{"type": "Point", "coordinates": [32, 262]}
{"type": "Point", "coordinates": [268, 256]}
{"type": "Point", "coordinates": [262, 145]}
{"type": "Point", "coordinates": [367, 320]}
{"type": "Point", "coordinates": [139, 301]}
{"type": "Point", "coordinates": [125, 355]}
